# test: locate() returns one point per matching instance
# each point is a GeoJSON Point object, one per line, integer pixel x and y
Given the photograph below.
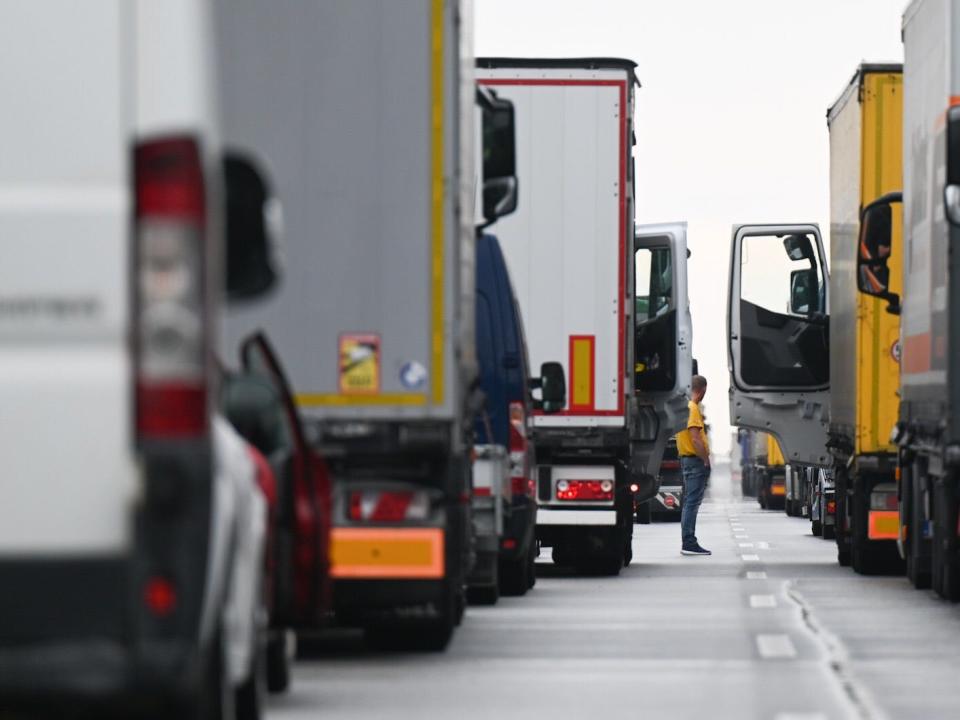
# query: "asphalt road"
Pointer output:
{"type": "Point", "coordinates": [768, 627]}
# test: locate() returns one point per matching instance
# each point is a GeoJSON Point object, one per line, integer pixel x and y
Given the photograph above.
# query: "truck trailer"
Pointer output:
{"type": "Point", "coordinates": [927, 431]}
{"type": "Point", "coordinates": [865, 164]}
{"type": "Point", "coordinates": [375, 319]}
{"type": "Point", "coordinates": [608, 297]}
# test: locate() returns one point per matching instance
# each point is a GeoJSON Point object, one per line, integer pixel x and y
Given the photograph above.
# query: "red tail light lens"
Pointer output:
{"type": "Point", "coordinates": [586, 490]}
{"type": "Point", "coordinates": [831, 507]}
{"type": "Point", "coordinates": [170, 320]}
{"type": "Point", "coordinates": [160, 596]}
{"type": "Point", "coordinates": [376, 506]}
{"type": "Point", "coordinates": [520, 481]}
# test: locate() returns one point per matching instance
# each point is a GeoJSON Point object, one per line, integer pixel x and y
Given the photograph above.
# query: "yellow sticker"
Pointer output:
{"type": "Point", "coordinates": [359, 364]}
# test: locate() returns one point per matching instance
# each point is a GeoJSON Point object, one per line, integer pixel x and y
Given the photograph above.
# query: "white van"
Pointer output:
{"type": "Point", "coordinates": [131, 527]}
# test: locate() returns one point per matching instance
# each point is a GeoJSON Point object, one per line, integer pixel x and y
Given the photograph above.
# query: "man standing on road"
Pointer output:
{"type": "Point", "coordinates": [695, 463]}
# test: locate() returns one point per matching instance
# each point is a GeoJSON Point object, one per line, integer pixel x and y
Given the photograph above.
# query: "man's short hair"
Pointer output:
{"type": "Point", "coordinates": [698, 383]}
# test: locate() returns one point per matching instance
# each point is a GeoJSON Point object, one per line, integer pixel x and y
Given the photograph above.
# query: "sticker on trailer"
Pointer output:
{"type": "Point", "coordinates": [359, 364]}
{"type": "Point", "coordinates": [413, 375]}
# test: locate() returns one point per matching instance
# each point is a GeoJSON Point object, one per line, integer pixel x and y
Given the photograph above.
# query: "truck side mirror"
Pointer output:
{"type": "Point", "coordinates": [951, 191]}
{"type": "Point", "coordinates": [499, 157]}
{"type": "Point", "coordinates": [253, 228]}
{"type": "Point", "coordinates": [803, 292]}
{"type": "Point", "coordinates": [874, 246]}
{"type": "Point", "coordinates": [552, 384]}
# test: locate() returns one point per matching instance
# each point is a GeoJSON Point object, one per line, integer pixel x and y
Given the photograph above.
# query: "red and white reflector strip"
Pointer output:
{"type": "Point", "coordinates": [388, 506]}
{"type": "Point", "coordinates": [585, 490]}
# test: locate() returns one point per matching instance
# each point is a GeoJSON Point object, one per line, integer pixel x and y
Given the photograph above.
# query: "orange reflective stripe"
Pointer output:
{"type": "Point", "coordinates": [386, 553]}
{"type": "Point", "coordinates": [883, 525]}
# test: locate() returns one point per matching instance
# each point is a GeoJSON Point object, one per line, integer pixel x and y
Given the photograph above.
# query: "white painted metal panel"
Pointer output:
{"type": "Point", "coordinates": [549, 516]}
{"type": "Point", "coordinates": [564, 244]}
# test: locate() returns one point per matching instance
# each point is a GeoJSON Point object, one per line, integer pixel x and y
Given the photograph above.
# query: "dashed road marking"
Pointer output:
{"type": "Point", "coordinates": [746, 544]}
{"type": "Point", "coordinates": [763, 601]}
{"type": "Point", "coordinates": [775, 647]}
{"type": "Point", "coordinates": [799, 716]}
{"type": "Point", "coordinates": [763, 545]}
{"type": "Point", "coordinates": [756, 575]}
{"type": "Point", "coordinates": [741, 537]}
{"type": "Point", "coordinates": [750, 558]}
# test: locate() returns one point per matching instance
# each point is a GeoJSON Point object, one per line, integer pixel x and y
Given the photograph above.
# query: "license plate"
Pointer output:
{"type": "Point", "coordinates": [387, 553]}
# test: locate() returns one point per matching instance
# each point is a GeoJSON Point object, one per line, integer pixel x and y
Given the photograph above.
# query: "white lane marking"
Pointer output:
{"type": "Point", "coordinates": [741, 537]}
{"type": "Point", "coordinates": [773, 647]}
{"type": "Point", "coordinates": [746, 544]}
{"type": "Point", "coordinates": [750, 558]}
{"type": "Point", "coordinates": [763, 545]}
{"type": "Point", "coordinates": [756, 575]}
{"type": "Point", "coordinates": [763, 601]}
{"type": "Point", "coordinates": [799, 716]}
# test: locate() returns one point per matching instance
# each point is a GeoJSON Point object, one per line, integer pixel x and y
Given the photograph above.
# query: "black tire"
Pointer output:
{"type": "Point", "coordinates": [532, 574]}
{"type": "Point", "coordinates": [816, 528]}
{"type": "Point", "coordinates": [515, 576]}
{"type": "Point", "coordinates": [829, 532]}
{"type": "Point", "coordinates": [249, 696]}
{"type": "Point", "coordinates": [561, 556]}
{"type": "Point", "coordinates": [487, 595]}
{"type": "Point", "coordinates": [213, 699]}
{"type": "Point", "coordinates": [278, 662]}
{"type": "Point", "coordinates": [918, 571]}
{"type": "Point", "coordinates": [644, 513]}
{"type": "Point", "coordinates": [946, 573]}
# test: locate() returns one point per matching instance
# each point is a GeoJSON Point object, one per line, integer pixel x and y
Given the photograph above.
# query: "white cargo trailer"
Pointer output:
{"type": "Point", "coordinates": [571, 250]}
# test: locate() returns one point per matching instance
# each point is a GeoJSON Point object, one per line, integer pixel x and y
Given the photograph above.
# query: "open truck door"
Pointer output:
{"type": "Point", "coordinates": [662, 350]}
{"type": "Point", "coordinates": [778, 337]}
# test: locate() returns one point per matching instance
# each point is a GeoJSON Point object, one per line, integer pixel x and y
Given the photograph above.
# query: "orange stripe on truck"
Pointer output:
{"type": "Point", "coordinates": [386, 553]}
{"type": "Point", "coordinates": [883, 525]}
{"type": "Point", "coordinates": [582, 373]}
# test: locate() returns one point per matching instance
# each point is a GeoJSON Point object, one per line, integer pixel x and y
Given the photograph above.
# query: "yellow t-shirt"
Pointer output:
{"type": "Point", "coordinates": [695, 419]}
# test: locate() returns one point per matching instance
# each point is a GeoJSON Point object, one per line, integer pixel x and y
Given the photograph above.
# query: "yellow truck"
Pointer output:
{"type": "Point", "coordinates": [865, 126]}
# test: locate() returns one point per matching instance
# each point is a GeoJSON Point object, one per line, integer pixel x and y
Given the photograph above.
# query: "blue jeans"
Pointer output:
{"type": "Point", "coordinates": [695, 475]}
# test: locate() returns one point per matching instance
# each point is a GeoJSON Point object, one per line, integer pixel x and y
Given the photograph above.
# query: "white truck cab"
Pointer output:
{"type": "Point", "coordinates": [131, 527]}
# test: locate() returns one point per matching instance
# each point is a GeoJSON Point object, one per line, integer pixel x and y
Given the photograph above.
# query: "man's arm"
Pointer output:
{"type": "Point", "coordinates": [698, 445]}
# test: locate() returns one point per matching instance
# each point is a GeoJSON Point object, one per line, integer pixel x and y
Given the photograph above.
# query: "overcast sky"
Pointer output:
{"type": "Point", "coordinates": [731, 119]}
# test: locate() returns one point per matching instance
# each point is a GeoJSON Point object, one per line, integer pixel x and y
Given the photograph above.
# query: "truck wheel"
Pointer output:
{"type": "Point", "coordinates": [918, 571]}
{"type": "Point", "coordinates": [946, 574]}
{"type": "Point", "coordinates": [515, 576]}
{"type": "Point", "coordinates": [816, 528]}
{"type": "Point", "coordinates": [644, 513]}
{"type": "Point", "coordinates": [249, 696]}
{"type": "Point", "coordinates": [532, 573]}
{"type": "Point", "coordinates": [278, 661]}
{"type": "Point", "coordinates": [487, 595]}
{"type": "Point", "coordinates": [829, 532]}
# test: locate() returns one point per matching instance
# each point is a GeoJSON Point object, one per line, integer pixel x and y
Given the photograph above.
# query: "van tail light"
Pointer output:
{"type": "Point", "coordinates": [160, 596]}
{"type": "Point", "coordinates": [590, 490]}
{"type": "Point", "coordinates": [170, 322]}
{"type": "Point", "coordinates": [520, 481]}
{"type": "Point", "coordinates": [831, 507]}
{"type": "Point", "coordinates": [388, 506]}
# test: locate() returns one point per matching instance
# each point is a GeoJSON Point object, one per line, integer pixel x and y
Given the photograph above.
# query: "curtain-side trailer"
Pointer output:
{"type": "Point", "coordinates": [865, 164]}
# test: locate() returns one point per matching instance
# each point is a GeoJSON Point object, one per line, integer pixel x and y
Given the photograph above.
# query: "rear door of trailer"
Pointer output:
{"type": "Point", "coordinates": [566, 243]}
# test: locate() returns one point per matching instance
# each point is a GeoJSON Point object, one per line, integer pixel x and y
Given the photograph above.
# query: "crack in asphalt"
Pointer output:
{"type": "Point", "coordinates": [837, 659]}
